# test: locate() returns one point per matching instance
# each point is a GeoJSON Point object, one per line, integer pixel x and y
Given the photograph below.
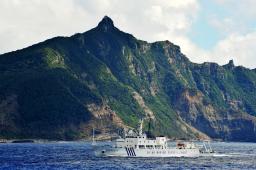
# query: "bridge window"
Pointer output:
{"type": "Point", "coordinates": [141, 146]}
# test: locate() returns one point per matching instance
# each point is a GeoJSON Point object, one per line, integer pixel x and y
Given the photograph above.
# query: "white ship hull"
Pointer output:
{"type": "Point", "coordinates": [131, 152]}
{"type": "Point", "coordinates": [136, 144]}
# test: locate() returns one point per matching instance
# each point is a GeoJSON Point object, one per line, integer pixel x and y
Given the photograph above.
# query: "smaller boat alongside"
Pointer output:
{"type": "Point", "coordinates": [137, 144]}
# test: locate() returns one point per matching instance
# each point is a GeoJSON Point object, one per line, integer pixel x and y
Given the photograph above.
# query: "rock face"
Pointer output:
{"type": "Point", "coordinates": [107, 79]}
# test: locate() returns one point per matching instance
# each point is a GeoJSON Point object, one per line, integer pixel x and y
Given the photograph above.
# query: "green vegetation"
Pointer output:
{"type": "Point", "coordinates": [45, 88]}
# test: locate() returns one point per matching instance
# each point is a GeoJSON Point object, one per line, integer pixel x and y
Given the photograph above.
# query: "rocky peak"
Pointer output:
{"type": "Point", "coordinates": [230, 64]}
{"type": "Point", "coordinates": [106, 24]}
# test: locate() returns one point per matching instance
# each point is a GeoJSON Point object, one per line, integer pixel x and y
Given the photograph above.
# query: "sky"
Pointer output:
{"type": "Point", "coordinates": [206, 30]}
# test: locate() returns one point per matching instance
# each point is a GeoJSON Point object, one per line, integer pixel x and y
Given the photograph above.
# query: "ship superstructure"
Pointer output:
{"type": "Point", "coordinates": [137, 144]}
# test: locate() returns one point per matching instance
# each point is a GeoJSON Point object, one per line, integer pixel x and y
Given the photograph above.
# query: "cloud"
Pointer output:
{"type": "Point", "coordinates": [27, 22]}
{"type": "Point", "coordinates": [241, 48]}
{"type": "Point", "coordinates": [237, 29]}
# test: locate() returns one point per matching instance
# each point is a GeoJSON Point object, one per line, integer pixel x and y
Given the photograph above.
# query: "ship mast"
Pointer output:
{"type": "Point", "coordinates": [141, 126]}
{"type": "Point", "coordinates": [93, 140]}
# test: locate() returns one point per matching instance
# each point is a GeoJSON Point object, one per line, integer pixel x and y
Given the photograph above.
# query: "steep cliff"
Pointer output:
{"type": "Point", "coordinates": [105, 78]}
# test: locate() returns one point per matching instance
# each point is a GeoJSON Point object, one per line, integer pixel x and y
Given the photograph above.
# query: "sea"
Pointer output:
{"type": "Point", "coordinates": [80, 155]}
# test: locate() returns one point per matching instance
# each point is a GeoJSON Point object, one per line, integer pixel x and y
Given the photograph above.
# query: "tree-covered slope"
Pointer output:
{"type": "Point", "coordinates": [105, 78]}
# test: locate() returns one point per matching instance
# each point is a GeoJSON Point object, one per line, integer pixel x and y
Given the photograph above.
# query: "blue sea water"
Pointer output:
{"type": "Point", "coordinates": [79, 155]}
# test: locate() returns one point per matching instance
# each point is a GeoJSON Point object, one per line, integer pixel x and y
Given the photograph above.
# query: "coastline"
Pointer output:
{"type": "Point", "coordinates": [98, 137]}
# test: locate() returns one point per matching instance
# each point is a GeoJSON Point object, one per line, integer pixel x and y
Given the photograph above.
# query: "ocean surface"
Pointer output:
{"type": "Point", "coordinates": [79, 155]}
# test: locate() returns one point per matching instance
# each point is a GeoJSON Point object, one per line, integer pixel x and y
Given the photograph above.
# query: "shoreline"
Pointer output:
{"type": "Point", "coordinates": [97, 139]}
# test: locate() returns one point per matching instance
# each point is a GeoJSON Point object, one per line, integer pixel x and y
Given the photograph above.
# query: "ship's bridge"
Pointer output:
{"type": "Point", "coordinates": [142, 142]}
{"type": "Point", "coordinates": [139, 140]}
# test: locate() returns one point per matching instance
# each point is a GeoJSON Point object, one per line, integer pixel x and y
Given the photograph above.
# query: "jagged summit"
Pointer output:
{"type": "Point", "coordinates": [230, 64]}
{"type": "Point", "coordinates": [106, 24]}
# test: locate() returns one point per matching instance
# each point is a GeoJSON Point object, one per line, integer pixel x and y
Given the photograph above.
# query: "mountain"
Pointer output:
{"type": "Point", "coordinates": [107, 79]}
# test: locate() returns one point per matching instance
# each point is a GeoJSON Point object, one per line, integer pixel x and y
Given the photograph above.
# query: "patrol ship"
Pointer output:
{"type": "Point", "coordinates": [139, 145]}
